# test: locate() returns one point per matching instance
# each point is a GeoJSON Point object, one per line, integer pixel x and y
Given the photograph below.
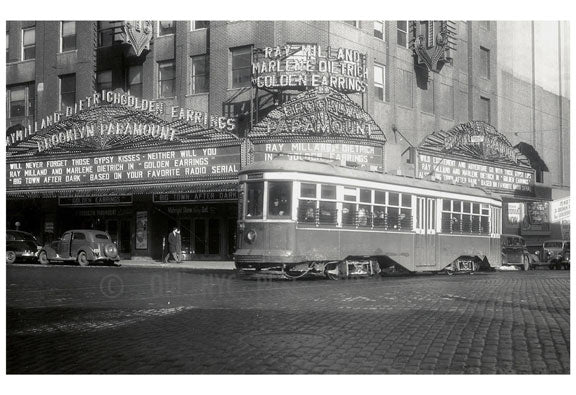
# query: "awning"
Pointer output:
{"type": "Point", "coordinates": [142, 189]}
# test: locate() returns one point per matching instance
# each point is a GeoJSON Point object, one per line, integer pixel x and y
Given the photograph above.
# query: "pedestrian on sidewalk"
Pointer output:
{"type": "Point", "coordinates": [178, 245]}
{"type": "Point", "coordinates": [172, 246]}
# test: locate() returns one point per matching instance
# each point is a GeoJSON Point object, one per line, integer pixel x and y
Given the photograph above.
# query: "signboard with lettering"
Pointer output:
{"type": "Point", "coordinates": [95, 200]}
{"type": "Point", "coordinates": [497, 178]}
{"type": "Point", "coordinates": [195, 196]}
{"type": "Point", "coordinates": [301, 66]}
{"type": "Point", "coordinates": [536, 219]}
{"type": "Point", "coordinates": [560, 210]}
{"type": "Point", "coordinates": [126, 168]}
{"type": "Point", "coordinates": [363, 157]}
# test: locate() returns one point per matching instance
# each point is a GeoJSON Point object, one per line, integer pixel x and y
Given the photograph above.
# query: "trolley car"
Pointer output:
{"type": "Point", "coordinates": [304, 217]}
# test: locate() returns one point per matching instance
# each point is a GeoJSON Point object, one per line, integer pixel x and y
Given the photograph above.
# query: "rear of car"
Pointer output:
{"type": "Point", "coordinates": [21, 247]}
{"type": "Point", "coordinates": [103, 248]}
{"type": "Point", "coordinates": [514, 252]}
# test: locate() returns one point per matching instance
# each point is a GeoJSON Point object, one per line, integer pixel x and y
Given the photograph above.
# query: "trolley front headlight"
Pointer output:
{"type": "Point", "coordinates": [251, 236]}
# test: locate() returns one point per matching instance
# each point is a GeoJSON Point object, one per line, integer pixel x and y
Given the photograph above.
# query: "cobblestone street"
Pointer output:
{"type": "Point", "coordinates": [142, 320]}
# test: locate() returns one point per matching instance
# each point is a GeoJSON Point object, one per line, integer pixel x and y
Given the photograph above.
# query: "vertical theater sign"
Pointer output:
{"type": "Point", "coordinates": [125, 165]}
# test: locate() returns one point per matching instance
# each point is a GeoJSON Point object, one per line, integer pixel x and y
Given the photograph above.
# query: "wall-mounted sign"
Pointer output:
{"type": "Point", "coordinates": [138, 34]}
{"type": "Point", "coordinates": [146, 167]}
{"type": "Point", "coordinates": [364, 157]}
{"type": "Point", "coordinates": [560, 210]}
{"type": "Point", "coordinates": [299, 66]}
{"type": "Point", "coordinates": [95, 200]}
{"type": "Point", "coordinates": [192, 197]}
{"type": "Point", "coordinates": [462, 172]}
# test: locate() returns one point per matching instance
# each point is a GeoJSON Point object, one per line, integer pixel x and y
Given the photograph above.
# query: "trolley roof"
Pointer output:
{"type": "Point", "coordinates": [328, 169]}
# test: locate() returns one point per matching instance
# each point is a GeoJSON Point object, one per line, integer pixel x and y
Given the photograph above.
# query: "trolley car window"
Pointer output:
{"type": "Point", "coordinates": [308, 190]}
{"type": "Point", "coordinates": [465, 217]}
{"type": "Point", "coordinates": [365, 195]}
{"type": "Point", "coordinates": [279, 196]}
{"type": "Point", "coordinates": [328, 192]}
{"type": "Point", "coordinates": [254, 199]}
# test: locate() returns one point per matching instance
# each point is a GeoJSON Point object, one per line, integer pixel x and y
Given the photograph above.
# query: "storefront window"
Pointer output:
{"type": "Point", "coordinates": [254, 199]}
{"type": "Point", "coordinates": [279, 199]}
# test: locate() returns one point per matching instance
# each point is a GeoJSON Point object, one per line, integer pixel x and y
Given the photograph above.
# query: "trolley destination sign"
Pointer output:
{"type": "Point", "coordinates": [480, 175]}
{"type": "Point", "coordinates": [145, 167]}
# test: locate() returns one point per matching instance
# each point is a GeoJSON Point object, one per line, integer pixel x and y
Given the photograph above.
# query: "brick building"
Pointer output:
{"type": "Point", "coordinates": [421, 78]}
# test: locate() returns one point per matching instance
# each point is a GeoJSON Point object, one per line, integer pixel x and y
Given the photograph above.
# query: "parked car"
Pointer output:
{"type": "Point", "coordinates": [84, 246]}
{"type": "Point", "coordinates": [515, 253]}
{"type": "Point", "coordinates": [21, 247]}
{"type": "Point", "coordinates": [557, 253]}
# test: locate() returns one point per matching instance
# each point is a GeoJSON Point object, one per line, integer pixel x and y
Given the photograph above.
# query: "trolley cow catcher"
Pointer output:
{"type": "Point", "coordinates": [300, 217]}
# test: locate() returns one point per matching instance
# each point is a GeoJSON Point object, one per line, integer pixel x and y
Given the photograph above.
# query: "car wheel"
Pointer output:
{"type": "Point", "coordinates": [10, 257]}
{"type": "Point", "coordinates": [82, 259]}
{"type": "Point", "coordinates": [43, 258]}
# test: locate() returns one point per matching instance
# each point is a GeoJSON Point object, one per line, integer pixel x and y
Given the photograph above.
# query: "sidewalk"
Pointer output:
{"type": "Point", "coordinates": [204, 265]}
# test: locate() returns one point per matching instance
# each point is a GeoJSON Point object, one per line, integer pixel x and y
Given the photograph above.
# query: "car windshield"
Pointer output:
{"type": "Point", "coordinates": [514, 242]}
{"type": "Point", "coordinates": [553, 244]}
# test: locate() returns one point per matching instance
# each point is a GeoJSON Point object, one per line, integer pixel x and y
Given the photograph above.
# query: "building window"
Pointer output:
{"type": "Point", "coordinates": [109, 33]}
{"type": "Point", "coordinates": [484, 109]}
{"type": "Point", "coordinates": [379, 30]}
{"type": "Point", "coordinates": [402, 33]}
{"type": "Point", "coordinates": [67, 36]}
{"type": "Point", "coordinates": [199, 25]}
{"type": "Point", "coordinates": [404, 88]}
{"type": "Point", "coordinates": [380, 82]}
{"type": "Point", "coordinates": [352, 23]}
{"type": "Point", "coordinates": [485, 62]}
{"type": "Point", "coordinates": [29, 43]}
{"type": "Point", "coordinates": [135, 81]}
{"type": "Point", "coordinates": [166, 79]}
{"type": "Point", "coordinates": [21, 101]}
{"type": "Point", "coordinates": [67, 90]}
{"type": "Point", "coordinates": [166, 27]}
{"type": "Point", "coordinates": [241, 66]}
{"type": "Point", "coordinates": [198, 74]}
{"type": "Point", "coordinates": [104, 80]}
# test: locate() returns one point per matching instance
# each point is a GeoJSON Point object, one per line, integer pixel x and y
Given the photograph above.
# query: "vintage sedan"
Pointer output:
{"type": "Point", "coordinates": [21, 247]}
{"type": "Point", "coordinates": [515, 253]}
{"type": "Point", "coordinates": [84, 246]}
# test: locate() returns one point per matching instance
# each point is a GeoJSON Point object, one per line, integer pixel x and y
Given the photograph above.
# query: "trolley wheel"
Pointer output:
{"type": "Point", "coordinates": [332, 271]}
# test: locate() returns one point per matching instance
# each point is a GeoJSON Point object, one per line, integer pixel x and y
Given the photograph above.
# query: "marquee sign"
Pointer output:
{"type": "Point", "coordinates": [305, 66]}
{"type": "Point", "coordinates": [95, 200]}
{"type": "Point", "coordinates": [363, 157]}
{"type": "Point", "coordinates": [463, 172]}
{"type": "Point", "coordinates": [193, 197]}
{"type": "Point", "coordinates": [321, 112]}
{"type": "Point", "coordinates": [132, 168]}
{"type": "Point", "coordinates": [475, 140]}
{"type": "Point", "coordinates": [83, 122]}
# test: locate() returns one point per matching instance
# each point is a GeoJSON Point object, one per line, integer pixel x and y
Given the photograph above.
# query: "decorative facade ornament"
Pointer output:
{"type": "Point", "coordinates": [138, 34]}
{"type": "Point", "coordinates": [433, 42]}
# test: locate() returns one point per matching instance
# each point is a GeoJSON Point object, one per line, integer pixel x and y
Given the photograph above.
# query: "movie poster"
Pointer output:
{"type": "Point", "coordinates": [141, 230]}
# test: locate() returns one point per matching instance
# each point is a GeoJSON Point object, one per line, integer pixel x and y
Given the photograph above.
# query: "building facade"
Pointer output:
{"type": "Point", "coordinates": [188, 103]}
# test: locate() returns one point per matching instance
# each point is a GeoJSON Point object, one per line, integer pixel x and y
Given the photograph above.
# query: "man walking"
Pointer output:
{"type": "Point", "coordinates": [173, 246]}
